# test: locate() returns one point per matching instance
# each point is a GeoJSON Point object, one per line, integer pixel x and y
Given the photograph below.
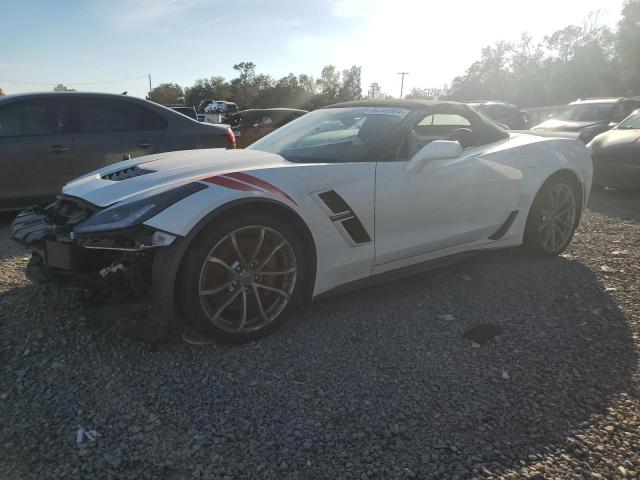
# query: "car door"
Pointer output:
{"type": "Point", "coordinates": [110, 129]}
{"type": "Point", "coordinates": [449, 202]}
{"type": "Point", "coordinates": [36, 149]}
{"type": "Point", "coordinates": [256, 127]}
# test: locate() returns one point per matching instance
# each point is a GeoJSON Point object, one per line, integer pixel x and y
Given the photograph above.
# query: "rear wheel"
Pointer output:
{"type": "Point", "coordinates": [242, 277]}
{"type": "Point", "coordinates": [553, 217]}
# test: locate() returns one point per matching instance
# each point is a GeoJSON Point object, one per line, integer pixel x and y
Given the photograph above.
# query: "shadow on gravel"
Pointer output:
{"type": "Point", "coordinates": [11, 249]}
{"type": "Point", "coordinates": [622, 204]}
{"type": "Point", "coordinates": [380, 380]}
{"type": "Point", "coordinates": [565, 352]}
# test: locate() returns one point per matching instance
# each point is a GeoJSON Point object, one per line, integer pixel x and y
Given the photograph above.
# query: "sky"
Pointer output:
{"type": "Point", "coordinates": [85, 43]}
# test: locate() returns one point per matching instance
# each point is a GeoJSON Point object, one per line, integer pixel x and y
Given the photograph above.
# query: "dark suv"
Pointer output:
{"type": "Point", "coordinates": [47, 139]}
{"type": "Point", "coordinates": [590, 116]}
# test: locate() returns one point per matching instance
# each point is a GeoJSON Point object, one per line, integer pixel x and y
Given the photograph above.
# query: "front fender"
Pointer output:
{"type": "Point", "coordinates": [297, 189]}
{"type": "Point", "coordinates": [182, 217]}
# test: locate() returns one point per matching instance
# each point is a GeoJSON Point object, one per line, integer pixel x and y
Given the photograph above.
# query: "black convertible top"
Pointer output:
{"type": "Point", "coordinates": [395, 103]}
{"type": "Point", "coordinates": [485, 128]}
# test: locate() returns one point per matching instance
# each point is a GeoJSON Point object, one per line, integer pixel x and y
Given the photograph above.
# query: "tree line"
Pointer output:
{"type": "Point", "coordinates": [256, 90]}
{"type": "Point", "coordinates": [587, 60]}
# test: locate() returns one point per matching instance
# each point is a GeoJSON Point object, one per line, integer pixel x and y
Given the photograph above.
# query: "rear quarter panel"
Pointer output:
{"type": "Point", "coordinates": [540, 158]}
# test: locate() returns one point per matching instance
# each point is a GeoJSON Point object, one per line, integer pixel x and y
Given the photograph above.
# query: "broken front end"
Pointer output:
{"type": "Point", "coordinates": [106, 253]}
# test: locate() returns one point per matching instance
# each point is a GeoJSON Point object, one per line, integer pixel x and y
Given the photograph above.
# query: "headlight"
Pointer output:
{"type": "Point", "coordinates": [122, 216]}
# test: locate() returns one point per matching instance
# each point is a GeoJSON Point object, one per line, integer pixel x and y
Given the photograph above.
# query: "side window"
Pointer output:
{"type": "Point", "coordinates": [27, 118]}
{"type": "Point", "coordinates": [265, 121]}
{"type": "Point", "coordinates": [436, 126]}
{"type": "Point", "coordinates": [94, 115]}
{"type": "Point", "coordinates": [445, 119]}
{"type": "Point", "coordinates": [618, 113]}
{"type": "Point", "coordinates": [152, 120]}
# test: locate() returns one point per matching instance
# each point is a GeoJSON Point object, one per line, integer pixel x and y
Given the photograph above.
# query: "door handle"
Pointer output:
{"type": "Point", "coordinates": [58, 149]}
{"type": "Point", "coordinates": [144, 144]}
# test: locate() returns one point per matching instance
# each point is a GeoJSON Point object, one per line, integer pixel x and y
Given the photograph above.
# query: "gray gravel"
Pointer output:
{"type": "Point", "coordinates": [379, 383]}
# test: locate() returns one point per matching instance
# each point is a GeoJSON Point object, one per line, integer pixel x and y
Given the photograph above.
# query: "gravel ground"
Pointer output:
{"type": "Point", "coordinates": [379, 383]}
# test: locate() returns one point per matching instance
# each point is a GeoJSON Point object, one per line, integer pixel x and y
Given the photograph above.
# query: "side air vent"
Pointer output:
{"type": "Point", "coordinates": [126, 173]}
{"type": "Point", "coordinates": [334, 201]}
{"type": "Point", "coordinates": [356, 230]}
{"type": "Point", "coordinates": [505, 226]}
{"type": "Point", "coordinates": [344, 218]}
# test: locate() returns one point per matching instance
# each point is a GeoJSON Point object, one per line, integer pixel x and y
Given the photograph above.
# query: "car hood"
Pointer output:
{"type": "Point", "coordinates": [617, 139]}
{"type": "Point", "coordinates": [124, 180]}
{"type": "Point", "coordinates": [554, 125]}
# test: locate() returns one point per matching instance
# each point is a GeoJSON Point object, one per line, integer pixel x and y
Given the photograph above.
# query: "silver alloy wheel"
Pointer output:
{"type": "Point", "coordinates": [558, 217]}
{"type": "Point", "coordinates": [247, 279]}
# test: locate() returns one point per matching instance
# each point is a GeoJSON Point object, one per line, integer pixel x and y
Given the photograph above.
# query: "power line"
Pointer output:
{"type": "Point", "coordinates": [75, 83]}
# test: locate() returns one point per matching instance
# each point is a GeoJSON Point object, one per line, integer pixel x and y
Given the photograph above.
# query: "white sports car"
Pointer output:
{"type": "Point", "coordinates": [228, 241]}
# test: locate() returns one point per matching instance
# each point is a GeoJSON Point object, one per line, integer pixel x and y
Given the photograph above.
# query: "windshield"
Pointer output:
{"type": "Point", "coordinates": [631, 122]}
{"type": "Point", "coordinates": [586, 112]}
{"type": "Point", "coordinates": [333, 134]}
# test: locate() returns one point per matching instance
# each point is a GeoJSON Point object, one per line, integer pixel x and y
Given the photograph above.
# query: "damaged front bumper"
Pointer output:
{"type": "Point", "coordinates": [113, 267]}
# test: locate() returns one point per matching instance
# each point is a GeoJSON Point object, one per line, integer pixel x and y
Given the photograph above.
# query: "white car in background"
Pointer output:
{"type": "Point", "coordinates": [229, 241]}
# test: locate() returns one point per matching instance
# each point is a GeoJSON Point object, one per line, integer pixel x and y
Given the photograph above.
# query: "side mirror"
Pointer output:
{"type": "Point", "coordinates": [436, 150]}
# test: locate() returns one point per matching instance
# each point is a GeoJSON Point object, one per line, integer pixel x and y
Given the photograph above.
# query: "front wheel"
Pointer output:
{"type": "Point", "coordinates": [242, 276]}
{"type": "Point", "coordinates": [553, 218]}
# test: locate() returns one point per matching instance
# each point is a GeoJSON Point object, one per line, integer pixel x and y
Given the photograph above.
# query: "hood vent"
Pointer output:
{"type": "Point", "coordinates": [126, 173]}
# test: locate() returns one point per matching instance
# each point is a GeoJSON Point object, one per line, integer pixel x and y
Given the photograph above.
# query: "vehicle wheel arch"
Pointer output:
{"type": "Point", "coordinates": [274, 207]}
{"type": "Point", "coordinates": [168, 261]}
{"type": "Point", "coordinates": [567, 174]}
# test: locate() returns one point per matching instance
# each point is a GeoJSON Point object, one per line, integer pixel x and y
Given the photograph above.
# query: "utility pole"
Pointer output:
{"type": "Point", "coordinates": [149, 83]}
{"type": "Point", "coordinates": [402, 82]}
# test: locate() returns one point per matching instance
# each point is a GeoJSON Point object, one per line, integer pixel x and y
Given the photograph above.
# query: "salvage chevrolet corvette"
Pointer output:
{"type": "Point", "coordinates": [229, 241]}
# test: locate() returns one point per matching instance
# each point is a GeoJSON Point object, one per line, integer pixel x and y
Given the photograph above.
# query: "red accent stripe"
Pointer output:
{"type": "Point", "coordinates": [260, 183]}
{"type": "Point", "coordinates": [230, 183]}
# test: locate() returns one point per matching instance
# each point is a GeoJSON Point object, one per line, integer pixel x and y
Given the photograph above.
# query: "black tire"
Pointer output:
{"type": "Point", "coordinates": [536, 235]}
{"type": "Point", "coordinates": [198, 309]}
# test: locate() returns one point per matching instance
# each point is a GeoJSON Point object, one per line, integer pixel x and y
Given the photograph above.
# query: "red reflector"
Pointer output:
{"type": "Point", "coordinates": [231, 138]}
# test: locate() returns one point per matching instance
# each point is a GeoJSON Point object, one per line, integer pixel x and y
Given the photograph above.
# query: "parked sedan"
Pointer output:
{"type": "Point", "coordinates": [590, 117]}
{"type": "Point", "coordinates": [47, 139]}
{"type": "Point", "coordinates": [616, 155]}
{"type": "Point", "coordinates": [251, 125]}
{"type": "Point", "coordinates": [231, 241]}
